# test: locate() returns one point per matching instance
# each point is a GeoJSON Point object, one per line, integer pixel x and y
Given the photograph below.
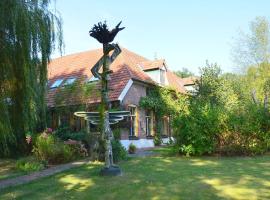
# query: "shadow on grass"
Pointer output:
{"type": "Point", "coordinates": [8, 169]}
{"type": "Point", "coordinates": [157, 178]}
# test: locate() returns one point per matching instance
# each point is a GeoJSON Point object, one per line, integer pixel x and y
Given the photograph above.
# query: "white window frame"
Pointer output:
{"type": "Point", "coordinates": [57, 83]}
{"type": "Point", "coordinates": [69, 81]}
{"type": "Point", "coordinates": [132, 120]}
{"type": "Point", "coordinates": [148, 122]}
{"type": "Point", "coordinates": [93, 79]}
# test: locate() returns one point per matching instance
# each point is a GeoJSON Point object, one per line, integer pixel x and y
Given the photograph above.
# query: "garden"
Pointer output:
{"type": "Point", "coordinates": [221, 130]}
{"type": "Point", "coordinates": [163, 176]}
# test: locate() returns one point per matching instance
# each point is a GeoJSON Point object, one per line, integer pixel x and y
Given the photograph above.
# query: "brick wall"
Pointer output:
{"type": "Point", "coordinates": [136, 91]}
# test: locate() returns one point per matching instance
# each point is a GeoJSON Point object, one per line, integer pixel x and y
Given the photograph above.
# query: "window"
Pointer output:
{"type": "Point", "coordinates": [69, 81]}
{"type": "Point", "coordinates": [148, 91]}
{"type": "Point", "coordinates": [191, 89]}
{"type": "Point", "coordinates": [166, 126]}
{"type": "Point", "coordinates": [132, 110]}
{"type": "Point", "coordinates": [57, 83]}
{"type": "Point", "coordinates": [93, 79]}
{"type": "Point", "coordinates": [63, 120]}
{"type": "Point", "coordinates": [162, 77]}
{"type": "Point", "coordinates": [148, 123]}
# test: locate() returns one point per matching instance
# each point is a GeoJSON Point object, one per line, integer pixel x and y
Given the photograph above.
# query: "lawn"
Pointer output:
{"type": "Point", "coordinates": [157, 177]}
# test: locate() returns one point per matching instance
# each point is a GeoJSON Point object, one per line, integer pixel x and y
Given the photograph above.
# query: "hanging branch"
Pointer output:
{"type": "Point", "coordinates": [29, 31]}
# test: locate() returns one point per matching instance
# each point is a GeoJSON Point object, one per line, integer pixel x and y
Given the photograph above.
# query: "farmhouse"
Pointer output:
{"type": "Point", "coordinates": [132, 77]}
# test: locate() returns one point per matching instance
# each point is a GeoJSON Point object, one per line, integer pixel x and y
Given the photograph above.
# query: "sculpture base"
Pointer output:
{"type": "Point", "coordinates": [111, 171]}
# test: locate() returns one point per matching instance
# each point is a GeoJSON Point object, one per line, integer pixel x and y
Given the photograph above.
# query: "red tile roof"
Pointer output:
{"type": "Point", "coordinates": [175, 82]}
{"type": "Point", "coordinates": [150, 65]}
{"type": "Point", "coordinates": [190, 80]}
{"type": "Point", "coordinates": [125, 67]}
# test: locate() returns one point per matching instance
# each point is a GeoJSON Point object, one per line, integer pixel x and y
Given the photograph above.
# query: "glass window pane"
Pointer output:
{"type": "Point", "coordinates": [57, 83]}
{"type": "Point", "coordinates": [92, 79]}
{"type": "Point", "coordinates": [69, 81]}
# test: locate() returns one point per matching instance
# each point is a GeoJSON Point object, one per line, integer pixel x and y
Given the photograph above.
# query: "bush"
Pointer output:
{"type": "Point", "coordinates": [132, 148]}
{"type": "Point", "coordinates": [222, 119]}
{"type": "Point", "coordinates": [119, 152]}
{"type": "Point", "coordinates": [157, 140]}
{"type": "Point", "coordinates": [199, 129]}
{"type": "Point", "coordinates": [29, 165]}
{"type": "Point", "coordinates": [49, 149]}
{"type": "Point", "coordinates": [64, 133]}
{"type": "Point", "coordinates": [117, 134]}
{"type": "Point", "coordinates": [77, 147]}
{"type": "Point", "coordinates": [187, 150]}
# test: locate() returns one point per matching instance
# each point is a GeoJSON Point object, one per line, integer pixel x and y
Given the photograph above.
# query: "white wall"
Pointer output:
{"type": "Point", "coordinates": [154, 74]}
{"type": "Point", "coordinates": [143, 143]}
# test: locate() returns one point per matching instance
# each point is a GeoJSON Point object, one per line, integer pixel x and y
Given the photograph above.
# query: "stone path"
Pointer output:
{"type": "Point", "coordinates": [36, 175]}
{"type": "Point", "coordinates": [144, 152]}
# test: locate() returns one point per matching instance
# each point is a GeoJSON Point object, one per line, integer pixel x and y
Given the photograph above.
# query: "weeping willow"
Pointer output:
{"type": "Point", "coordinates": [29, 32]}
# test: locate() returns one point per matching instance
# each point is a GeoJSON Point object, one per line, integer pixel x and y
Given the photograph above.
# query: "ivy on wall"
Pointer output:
{"type": "Point", "coordinates": [74, 97]}
{"type": "Point", "coordinates": [164, 101]}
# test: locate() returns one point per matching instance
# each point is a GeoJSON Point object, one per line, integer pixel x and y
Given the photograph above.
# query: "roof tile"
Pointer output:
{"type": "Point", "coordinates": [125, 67]}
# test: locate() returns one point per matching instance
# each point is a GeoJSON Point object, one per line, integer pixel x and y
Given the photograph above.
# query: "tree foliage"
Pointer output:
{"type": "Point", "coordinates": [76, 93]}
{"type": "Point", "coordinates": [222, 118]}
{"type": "Point", "coordinates": [29, 31]}
{"type": "Point", "coordinates": [253, 48]}
{"type": "Point", "coordinates": [183, 73]}
{"type": "Point", "coordinates": [229, 113]}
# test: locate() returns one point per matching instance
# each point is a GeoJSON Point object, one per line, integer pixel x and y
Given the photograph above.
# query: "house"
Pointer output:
{"type": "Point", "coordinates": [132, 77]}
{"type": "Point", "coordinates": [189, 83]}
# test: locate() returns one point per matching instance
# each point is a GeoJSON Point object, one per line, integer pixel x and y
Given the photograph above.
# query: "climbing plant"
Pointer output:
{"type": "Point", "coordinates": [29, 31]}
{"type": "Point", "coordinates": [164, 101]}
{"type": "Point", "coordinates": [77, 93]}
{"type": "Point", "coordinates": [74, 97]}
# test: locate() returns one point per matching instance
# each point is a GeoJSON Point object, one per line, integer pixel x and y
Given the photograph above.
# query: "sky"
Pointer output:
{"type": "Point", "coordinates": [184, 33]}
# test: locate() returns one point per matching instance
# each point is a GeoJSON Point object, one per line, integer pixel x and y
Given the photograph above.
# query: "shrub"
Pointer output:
{"type": "Point", "coordinates": [157, 140]}
{"type": "Point", "coordinates": [119, 152]}
{"type": "Point", "coordinates": [77, 147]}
{"type": "Point", "coordinates": [132, 148]}
{"type": "Point", "coordinates": [64, 133]}
{"type": "Point", "coordinates": [117, 134]}
{"type": "Point", "coordinates": [29, 165]}
{"type": "Point", "coordinates": [222, 119]}
{"type": "Point", "coordinates": [187, 150]}
{"type": "Point", "coordinates": [199, 128]}
{"type": "Point", "coordinates": [49, 149]}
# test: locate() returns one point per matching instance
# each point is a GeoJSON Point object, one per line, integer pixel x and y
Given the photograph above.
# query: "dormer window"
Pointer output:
{"type": "Point", "coordinates": [162, 77]}
{"type": "Point", "coordinates": [57, 83]}
{"type": "Point", "coordinates": [70, 81]}
{"type": "Point", "coordinates": [93, 79]}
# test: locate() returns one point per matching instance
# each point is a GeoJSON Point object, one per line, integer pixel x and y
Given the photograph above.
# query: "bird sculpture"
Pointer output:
{"type": "Point", "coordinates": [101, 32]}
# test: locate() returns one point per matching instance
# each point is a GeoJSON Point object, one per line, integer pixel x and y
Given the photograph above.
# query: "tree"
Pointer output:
{"type": "Point", "coordinates": [183, 73]}
{"type": "Point", "coordinates": [29, 31]}
{"type": "Point", "coordinates": [222, 118]}
{"type": "Point", "coordinates": [252, 53]}
{"type": "Point", "coordinates": [253, 48]}
{"type": "Point", "coordinates": [212, 87]}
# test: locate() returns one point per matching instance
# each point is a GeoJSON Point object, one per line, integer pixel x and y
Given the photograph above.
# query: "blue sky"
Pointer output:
{"type": "Point", "coordinates": [185, 33]}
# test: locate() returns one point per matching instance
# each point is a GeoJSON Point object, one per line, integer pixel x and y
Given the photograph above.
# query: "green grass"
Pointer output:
{"type": "Point", "coordinates": [155, 178]}
{"type": "Point", "coordinates": [8, 169]}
